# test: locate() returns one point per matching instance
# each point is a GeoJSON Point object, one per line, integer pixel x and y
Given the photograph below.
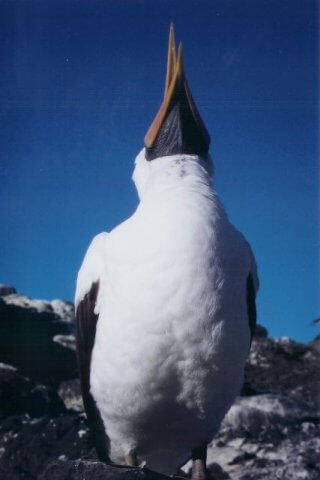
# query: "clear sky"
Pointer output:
{"type": "Point", "coordinates": [82, 80]}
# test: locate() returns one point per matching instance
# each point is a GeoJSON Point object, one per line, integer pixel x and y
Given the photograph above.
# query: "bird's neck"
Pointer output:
{"type": "Point", "coordinates": [173, 175]}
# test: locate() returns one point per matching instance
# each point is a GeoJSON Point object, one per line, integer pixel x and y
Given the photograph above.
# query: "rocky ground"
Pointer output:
{"type": "Point", "coordinates": [271, 432]}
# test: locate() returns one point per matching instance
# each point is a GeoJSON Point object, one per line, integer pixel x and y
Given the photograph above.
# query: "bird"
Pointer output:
{"type": "Point", "coordinates": [165, 302]}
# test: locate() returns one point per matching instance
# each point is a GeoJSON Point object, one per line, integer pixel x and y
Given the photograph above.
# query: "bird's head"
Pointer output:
{"type": "Point", "coordinates": [177, 129]}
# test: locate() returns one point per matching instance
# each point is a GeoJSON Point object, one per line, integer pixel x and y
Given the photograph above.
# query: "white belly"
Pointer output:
{"type": "Point", "coordinates": [163, 384]}
{"type": "Point", "coordinates": [172, 336]}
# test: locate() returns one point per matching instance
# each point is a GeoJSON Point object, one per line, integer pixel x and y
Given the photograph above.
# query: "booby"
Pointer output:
{"type": "Point", "coordinates": [165, 302]}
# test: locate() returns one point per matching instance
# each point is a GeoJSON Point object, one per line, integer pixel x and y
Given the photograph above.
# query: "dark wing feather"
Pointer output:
{"type": "Point", "coordinates": [251, 305]}
{"type": "Point", "coordinates": [86, 321]}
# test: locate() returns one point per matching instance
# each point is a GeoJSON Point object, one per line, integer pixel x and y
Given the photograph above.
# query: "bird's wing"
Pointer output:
{"type": "Point", "coordinates": [88, 284]}
{"type": "Point", "coordinates": [252, 288]}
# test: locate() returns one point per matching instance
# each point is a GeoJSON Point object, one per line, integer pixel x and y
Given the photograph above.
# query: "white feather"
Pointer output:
{"type": "Point", "coordinates": [173, 334]}
{"type": "Point", "coordinates": [93, 266]}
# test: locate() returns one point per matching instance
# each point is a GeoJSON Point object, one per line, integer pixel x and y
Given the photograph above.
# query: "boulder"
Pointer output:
{"type": "Point", "coordinates": [93, 470]}
{"type": "Point", "coordinates": [30, 332]}
{"type": "Point", "coordinates": [6, 290]}
{"type": "Point", "coordinates": [268, 436]}
{"type": "Point", "coordinates": [283, 366]}
{"type": "Point", "coordinates": [66, 341]}
{"type": "Point", "coordinates": [271, 431]}
{"type": "Point", "coordinates": [260, 331]}
{"type": "Point", "coordinates": [27, 446]}
{"type": "Point", "coordinates": [20, 395]}
{"type": "Point", "coordinates": [251, 414]}
{"type": "Point", "coordinates": [70, 392]}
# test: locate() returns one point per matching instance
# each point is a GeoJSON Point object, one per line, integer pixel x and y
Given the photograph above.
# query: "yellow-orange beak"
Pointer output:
{"type": "Point", "coordinates": [171, 62]}
{"type": "Point", "coordinates": [177, 92]}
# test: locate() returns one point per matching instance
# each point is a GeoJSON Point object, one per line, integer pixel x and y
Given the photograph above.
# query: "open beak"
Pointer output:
{"type": "Point", "coordinates": [193, 134]}
{"type": "Point", "coordinates": [171, 62]}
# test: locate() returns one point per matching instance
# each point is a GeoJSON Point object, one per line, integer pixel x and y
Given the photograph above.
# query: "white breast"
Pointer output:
{"type": "Point", "coordinates": [172, 335]}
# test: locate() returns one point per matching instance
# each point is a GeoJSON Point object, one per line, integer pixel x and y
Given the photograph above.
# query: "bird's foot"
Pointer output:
{"type": "Point", "coordinates": [131, 459]}
{"type": "Point", "coordinates": [199, 472]}
{"type": "Point", "coordinates": [199, 461]}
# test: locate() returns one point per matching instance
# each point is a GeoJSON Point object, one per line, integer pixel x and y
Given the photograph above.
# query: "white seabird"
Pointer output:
{"type": "Point", "coordinates": [165, 303]}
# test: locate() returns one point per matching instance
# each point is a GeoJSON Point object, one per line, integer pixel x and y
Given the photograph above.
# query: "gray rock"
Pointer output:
{"type": "Point", "coordinates": [27, 331]}
{"type": "Point", "coordinates": [260, 331]}
{"type": "Point", "coordinates": [6, 290]}
{"type": "Point", "coordinates": [67, 341]}
{"type": "Point", "coordinates": [272, 430]}
{"type": "Point", "coordinates": [64, 311]}
{"type": "Point", "coordinates": [283, 366]}
{"type": "Point", "coordinates": [20, 395]}
{"type": "Point", "coordinates": [70, 392]}
{"type": "Point", "coordinates": [253, 412]}
{"type": "Point", "coordinates": [315, 344]}
{"type": "Point", "coordinates": [93, 470]}
{"type": "Point", "coordinates": [27, 445]}
{"type": "Point", "coordinates": [268, 436]}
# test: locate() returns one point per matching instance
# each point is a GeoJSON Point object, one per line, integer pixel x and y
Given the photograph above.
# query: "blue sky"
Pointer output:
{"type": "Point", "coordinates": [81, 82]}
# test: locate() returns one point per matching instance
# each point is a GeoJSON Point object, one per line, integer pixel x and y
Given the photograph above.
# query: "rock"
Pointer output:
{"type": "Point", "coordinates": [64, 311]}
{"type": "Point", "coordinates": [6, 290]}
{"type": "Point", "coordinates": [268, 436]}
{"type": "Point", "coordinates": [70, 392]}
{"type": "Point", "coordinates": [254, 412]}
{"type": "Point", "coordinates": [315, 343]}
{"type": "Point", "coordinates": [260, 331]}
{"type": "Point", "coordinates": [271, 431]}
{"type": "Point", "coordinates": [217, 473]}
{"type": "Point", "coordinates": [28, 445]}
{"type": "Point", "coordinates": [67, 341]}
{"type": "Point", "coordinates": [90, 470]}
{"type": "Point", "coordinates": [283, 366]}
{"type": "Point", "coordinates": [21, 395]}
{"type": "Point", "coordinates": [27, 331]}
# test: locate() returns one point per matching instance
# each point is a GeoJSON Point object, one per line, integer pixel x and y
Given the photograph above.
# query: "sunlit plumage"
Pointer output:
{"type": "Point", "coordinates": [165, 304]}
